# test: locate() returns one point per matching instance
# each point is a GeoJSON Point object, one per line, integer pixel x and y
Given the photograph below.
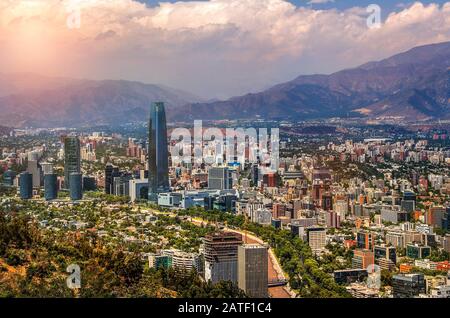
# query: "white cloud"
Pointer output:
{"type": "Point", "coordinates": [213, 48]}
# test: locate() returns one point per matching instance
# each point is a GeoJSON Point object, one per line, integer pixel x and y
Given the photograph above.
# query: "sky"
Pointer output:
{"type": "Point", "coordinates": [211, 48]}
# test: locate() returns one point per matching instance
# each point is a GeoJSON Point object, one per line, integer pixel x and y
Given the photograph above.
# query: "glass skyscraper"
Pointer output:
{"type": "Point", "coordinates": [72, 158]}
{"type": "Point", "coordinates": [158, 154]}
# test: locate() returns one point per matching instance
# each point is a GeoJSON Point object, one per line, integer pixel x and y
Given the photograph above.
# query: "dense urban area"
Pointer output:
{"type": "Point", "coordinates": [351, 208]}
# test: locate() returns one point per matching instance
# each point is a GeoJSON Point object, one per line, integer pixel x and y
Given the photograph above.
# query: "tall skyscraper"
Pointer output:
{"type": "Point", "coordinates": [34, 169]}
{"type": "Point", "coordinates": [158, 154]}
{"type": "Point", "coordinates": [76, 189]}
{"type": "Point", "coordinates": [221, 256]}
{"type": "Point", "coordinates": [110, 173]}
{"type": "Point", "coordinates": [8, 178]}
{"type": "Point", "coordinates": [71, 158]}
{"type": "Point", "coordinates": [50, 186]}
{"type": "Point", "coordinates": [26, 185]}
{"type": "Point", "coordinates": [253, 270]}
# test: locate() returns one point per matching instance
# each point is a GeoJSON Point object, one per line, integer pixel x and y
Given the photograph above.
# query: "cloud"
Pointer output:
{"type": "Point", "coordinates": [214, 48]}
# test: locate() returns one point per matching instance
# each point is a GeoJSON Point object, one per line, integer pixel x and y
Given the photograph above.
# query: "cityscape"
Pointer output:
{"type": "Point", "coordinates": [325, 186]}
{"type": "Point", "coordinates": [345, 214]}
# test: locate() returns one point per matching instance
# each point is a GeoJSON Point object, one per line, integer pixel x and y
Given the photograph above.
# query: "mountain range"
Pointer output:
{"type": "Point", "coordinates": [38, 101]}
{"type": "Point", "coordinates": [414, 85]}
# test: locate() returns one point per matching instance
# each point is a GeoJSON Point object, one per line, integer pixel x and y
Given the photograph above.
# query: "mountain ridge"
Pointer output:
{"type": "Point", "coordinates": [413, 85]}
{"type": "Point", "coordinates": [422, 71]}
{"type": "Point", "coordinates": [79, 102]}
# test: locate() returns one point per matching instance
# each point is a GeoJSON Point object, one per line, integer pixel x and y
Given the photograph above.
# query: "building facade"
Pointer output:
{"type": "Point", "coordinates": [158, 156]}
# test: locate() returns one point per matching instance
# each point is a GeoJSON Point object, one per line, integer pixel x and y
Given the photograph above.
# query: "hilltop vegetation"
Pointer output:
{"type": "Point", "coordinates": [33, 263]}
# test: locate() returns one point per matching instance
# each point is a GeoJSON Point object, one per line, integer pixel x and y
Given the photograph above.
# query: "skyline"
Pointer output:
{"type": "Point", "coordinates": [214, 49]}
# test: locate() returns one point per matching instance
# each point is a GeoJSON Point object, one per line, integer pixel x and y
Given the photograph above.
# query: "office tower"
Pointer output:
{"type": "Point", "coordinates": [221, 256]}
{"type": "Point", "coordinates": [89, 183]}
{"type": "Point", "coordinates": [408, 285]}
{"type": "Point", "coordinates": [270, 179]}
{"type": "Point", "coordinates": [219, 178]}
{"type": "Point", "coordinates": [364, 239]}
{"type": "Point", "coordinates": [409, 201]}
{"type": "Point", "coordinates": [317, 238]}
{"type": "Point", "coordinates": [26, 185]}
{"type": "Point", "coordinates": [348, 276]}
{"type": "Point", "coordinates": [333, 219]}
{"type": "Point", "coordinates": [8, 177]}
{"type": "Point", "coordinates": [76, 192]}
{"type": "Point", "coordinates": [417, 251]}
{"type": "Point", "coordinates": [185, 262]}
{"type": "Point", "coordinates": [158, 157]}
{"type": "Point", "coordinates": [362, 258]}
{"type": "Point", "coordinates": [111, 172]}
{"type": "Point", "coordinates": [158, 261]}
{"type": "Point", "coordinates": [50, 186]}
{"type": "Point", "coordinates": [255, 174]}
{"type": "Point", "coordinates": [385, 256]}
{"type": "Point", "coordinates": [35, 171]}
{"type": "Point", "coordinates": [278, 210]}
{"type": "Point", "coordinates": [47, 168]}
{"type": "Point", "coordinates": [326, 201]}
{"type": "Point", "coordinates": [138, 189]}
{"type": "Point", "coordinates": [253, 270]}
{"type": "Point", "coordinates": [121, 185]}
{"type": "Point", "coordinates": [436, 215]}
{"type": "Point", "coordinates": [71, 158]}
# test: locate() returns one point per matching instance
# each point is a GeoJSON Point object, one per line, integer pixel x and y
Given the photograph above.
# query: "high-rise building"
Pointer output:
{"type": "Point", "coordinates": [417, 251]}
{"type": "Point", "coordinates": [89, 183]}
{"type": "Point", "coordinates": [326, 201]}
{"type": "Point", "coordinates": [26, 185]}
{"type": "Point", "coordinates": [219, 178]}
{"type": "Point", "coordinates": [221, 256]}
{"type": "Point", "coordinates": [364, 239]}
{"type": "Point", "coordinates": [72, 158]}
{"type": "Point", "coordinates": [435, 216]}
{"type": "Point", "coordinates": [253, 270]}
{"type": "Point", "coordinates": [408, 285]}
{"type": "Point", "coordinates": [333, 219]}
{"type": "Point", "coordinates": [8, 178]}
{"type": "Point", "coordinates": [185, 262]}
{"type": "Point", "coordinates": [121, 185]}
{"type": "Point", "coordinates": [362, 258]}
{"type": "Point", "coordinates": [388, 253]}
{"type": "Point", "coordinates": [76, 186]}
{"type": "Point", "coordinates": [111, 172]}
{"type": "Point", "coordinates": [158, 157]}
{"type": "Point", "coordinates": [255, 174]}
{"type": "Point", "coordinates": [409, 201]}
{"type": "Point", "coordinates": [50, 186]}
{"type": "Point", "coordinates": [34, 169]}
{"type": "Point", "coordinates": [317, 238]}
{"type": "Point", "coordinates": [270, 179]}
